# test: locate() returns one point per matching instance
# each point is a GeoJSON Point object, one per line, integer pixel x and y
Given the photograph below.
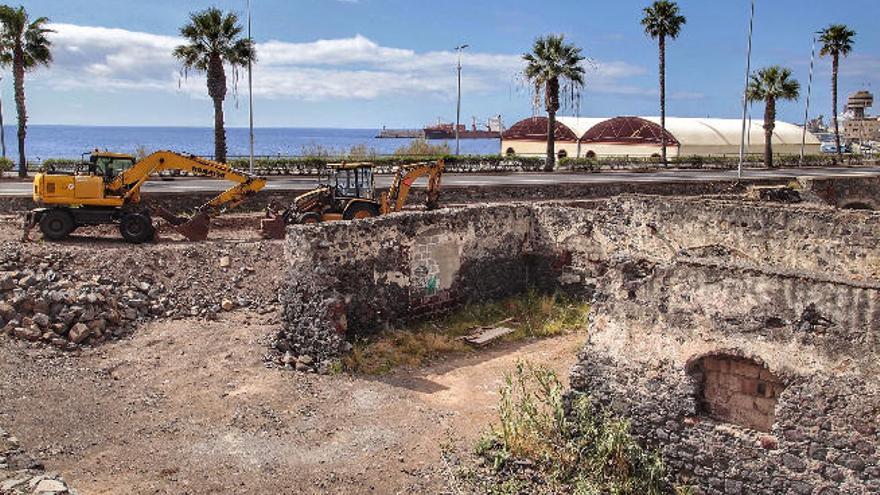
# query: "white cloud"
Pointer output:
{"type": "Point", "coordinates": [97, 58]}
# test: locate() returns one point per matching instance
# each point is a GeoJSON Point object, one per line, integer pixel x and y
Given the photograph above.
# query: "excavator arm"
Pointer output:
{"type": "Point", "coordinates": [403, 180]}
{"type": "Point", "coordinates": [128, 185]}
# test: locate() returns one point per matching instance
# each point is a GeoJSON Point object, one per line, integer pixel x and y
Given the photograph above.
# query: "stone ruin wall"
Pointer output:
{"type": "Point", "coordinates": [749, 381]}
{"type": "Point", "coordinates": [740, 338]}
{"type": "Point", "coordinates": [349, 279]}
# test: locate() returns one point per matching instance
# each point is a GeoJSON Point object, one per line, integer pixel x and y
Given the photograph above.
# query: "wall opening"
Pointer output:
{"type": "Point", "coordinates": [857, 205]}
{"type": "Point", "coordinates": [736, 390]}
{"type": "Point", "coordinates": [591, 154]}
{"type": "Point", "coordinates": [562, 154]}
{"type": "Point", "coordinates": [510, 152]}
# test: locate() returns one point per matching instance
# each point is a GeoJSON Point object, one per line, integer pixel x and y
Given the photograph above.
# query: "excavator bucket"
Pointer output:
{"type": "Point", "coordinates": [197, 228]}
{"type": "Point", "coordinates": [273, 227]}
{"type": "Point", "coordinates": [194, 229]}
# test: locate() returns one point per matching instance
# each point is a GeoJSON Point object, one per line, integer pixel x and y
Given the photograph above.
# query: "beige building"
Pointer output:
{"type": "Point", "coordinates": [643, 137]}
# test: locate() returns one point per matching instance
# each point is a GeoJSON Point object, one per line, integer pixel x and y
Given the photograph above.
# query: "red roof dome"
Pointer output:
{"type": "Point", "coordinates": [628, 130]}
{"type": "Point", "coordinates": [535, 129]}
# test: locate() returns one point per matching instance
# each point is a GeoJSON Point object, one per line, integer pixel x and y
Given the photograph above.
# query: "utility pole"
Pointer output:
{"type": "Point", "coordinates": [250, 95]}
{"type": "Point", "coordinates": [2, 130]}
{"type": "Point", "coordinates": [742, 144]}
{"type": "Point", "coordinates": [459, 48]}
{"type": "Point", "coordinates": [809, 95]}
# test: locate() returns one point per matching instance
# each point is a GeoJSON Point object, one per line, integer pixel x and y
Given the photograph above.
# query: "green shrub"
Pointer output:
{"type": "Point", "coordinates": [574, 448]}
{"type": "Point", "coordinates": [6, 165]}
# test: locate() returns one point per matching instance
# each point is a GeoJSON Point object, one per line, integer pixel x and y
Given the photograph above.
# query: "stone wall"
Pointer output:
{"type": "Point", "coordinates": [352, 278]}
{"type": "Point", "coordinates": [663, 331]}
{"type": "Point", "coordinates": [846, 192]}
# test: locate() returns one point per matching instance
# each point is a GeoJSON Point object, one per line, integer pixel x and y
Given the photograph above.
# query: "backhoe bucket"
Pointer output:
{"type": "Point", "coordinates": [273, 227]}
{"type": "Point", "coordinates": [197, 228]}
{"type": "Point", "coordinates": [194, 229]}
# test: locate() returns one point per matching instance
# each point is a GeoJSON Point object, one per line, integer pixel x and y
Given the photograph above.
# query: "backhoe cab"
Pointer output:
{"type": "Point", "coordinates": [105, 189]}
{"type": "Point", "coordinates": [348, 193]}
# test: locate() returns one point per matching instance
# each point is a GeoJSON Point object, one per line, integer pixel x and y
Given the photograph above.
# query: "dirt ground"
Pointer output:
{"type": "Point", "coordinates": [190, 407]}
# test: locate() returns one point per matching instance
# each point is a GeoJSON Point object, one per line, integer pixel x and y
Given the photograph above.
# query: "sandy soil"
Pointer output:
{"type": "Point", "coordinates": [189, 407]}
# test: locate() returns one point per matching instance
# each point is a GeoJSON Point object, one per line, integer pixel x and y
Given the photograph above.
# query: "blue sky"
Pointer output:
{"type": "Point", "coordinates": [368, 63]}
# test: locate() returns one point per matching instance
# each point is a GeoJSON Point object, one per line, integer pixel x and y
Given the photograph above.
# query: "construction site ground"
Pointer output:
{"type": "Point", "coordinates": [189, 405]}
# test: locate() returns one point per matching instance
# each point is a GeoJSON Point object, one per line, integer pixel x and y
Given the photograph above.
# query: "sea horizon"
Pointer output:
{"type": "Point", "coordinates": [63, 141]}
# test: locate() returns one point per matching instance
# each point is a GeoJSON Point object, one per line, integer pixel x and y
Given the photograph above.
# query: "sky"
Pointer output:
{"type": "Point", "coordinates": [374, 63]}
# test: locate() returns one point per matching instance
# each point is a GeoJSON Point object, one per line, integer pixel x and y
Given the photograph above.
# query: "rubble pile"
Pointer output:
{"type": "Point", "coordinates": [70, 296]}
{"type": "Point", "coordinates": [21, 474]}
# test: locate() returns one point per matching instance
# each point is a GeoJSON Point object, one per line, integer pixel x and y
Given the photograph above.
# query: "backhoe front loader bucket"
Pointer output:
{"type": "Point", "coordinates": [273, 226]}
{"type": "Point", "coordinates": [194, 229]}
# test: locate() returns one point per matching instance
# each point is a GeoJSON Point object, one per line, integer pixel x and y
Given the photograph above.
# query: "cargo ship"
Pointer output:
{"type": "Point", "coordinates": [441, 130]}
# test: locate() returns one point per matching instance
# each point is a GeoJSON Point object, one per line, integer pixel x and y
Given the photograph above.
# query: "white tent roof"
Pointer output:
{"type": "Point", "coordinates": [707, 132]}
{"type": "Point", "coordinates": [728, 132]}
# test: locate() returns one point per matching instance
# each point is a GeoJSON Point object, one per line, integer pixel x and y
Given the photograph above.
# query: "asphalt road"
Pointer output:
{"type": "Point", "coordinates": [187, 185]}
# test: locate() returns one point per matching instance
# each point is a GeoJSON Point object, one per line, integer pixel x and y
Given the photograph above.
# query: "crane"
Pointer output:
{"type": "Point", "coordinates": [106, 189]}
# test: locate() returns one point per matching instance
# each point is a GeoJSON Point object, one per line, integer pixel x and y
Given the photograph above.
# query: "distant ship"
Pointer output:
{"type": "Point", "coordinates": [441, 130]}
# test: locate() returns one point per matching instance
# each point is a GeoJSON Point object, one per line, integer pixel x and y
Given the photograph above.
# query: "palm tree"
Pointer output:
{"type": "Point", "coordinates": [837, 40]}
{"type": "Point", "coordinates": [213, 41]}
{"type": "Point", "coordinates": [769, 85]}
{"type": "Point", "coordinates": [553, 65]}
{"type": "Point", "coordinates": [24, 46]}
{"type": "Point", "coordinates": [662, 20]}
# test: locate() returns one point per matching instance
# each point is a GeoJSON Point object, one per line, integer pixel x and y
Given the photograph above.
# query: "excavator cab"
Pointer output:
{"type": "Point", "coordinates": [108, 165]}
{"type": "Point", "coordinates": [352, 181]}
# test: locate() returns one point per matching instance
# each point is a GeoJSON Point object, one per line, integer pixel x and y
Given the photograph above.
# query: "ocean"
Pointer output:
{"type": "Point", "coordinates": [59, 141]}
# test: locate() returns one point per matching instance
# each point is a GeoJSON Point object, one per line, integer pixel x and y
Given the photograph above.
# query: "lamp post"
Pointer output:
{"type": "Point", "coordinates": [2, 130]}
{"type": "Point", "coordinates": [250, 95]}
{"type": "Point", "coordinates": [459, 48]}
{"type": "Point", "coordinates": [809, 95]}
{"type": "Point", "coordinates": [742, 144]}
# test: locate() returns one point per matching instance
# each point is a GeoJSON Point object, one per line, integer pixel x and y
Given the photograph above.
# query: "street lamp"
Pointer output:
{"type": "Point", "coordinates": [250, 94]}
{"type": "Point", "coordinates": [809, 95]}
{"type": "Point", "coordinates": [459, 49]}
{"type": "Point", "coordinates": [742, 144]}
{"type": "Point", "coordinates": [2, 130]}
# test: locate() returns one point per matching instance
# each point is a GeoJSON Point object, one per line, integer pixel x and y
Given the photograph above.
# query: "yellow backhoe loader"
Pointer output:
{"type": "Point", "coordinates": [348, 193]}
{"type": "Point", "coordinates": [106, 189]}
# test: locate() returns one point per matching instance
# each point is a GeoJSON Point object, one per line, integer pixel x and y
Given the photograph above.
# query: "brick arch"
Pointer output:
{"type": "Point", "coordinates": [535, 129]}
{"type": "Point", "coordinates": [735, 389]}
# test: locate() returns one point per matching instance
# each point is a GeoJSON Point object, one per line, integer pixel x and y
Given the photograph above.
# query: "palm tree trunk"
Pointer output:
{"type": "Point", "coordinates": [18, 76]}
{"type": "Point", "coordinates": [769, 125]}
{"type": "Point", "coordinates": [835, 65]}
{"type": "Point", "coordinates": [663, 98]}
{"type": "Point", "coordinates": [550, 164]}
{"type": "Point", "coordinates": [217, 92]}
{"type": "Point", "coordinates": [219, 132]}
{"type": "Point", "coordinates": [552, 103]}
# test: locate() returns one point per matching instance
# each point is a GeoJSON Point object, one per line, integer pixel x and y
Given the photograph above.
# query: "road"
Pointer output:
{"type": "Point", "coordinates": [191, 185]}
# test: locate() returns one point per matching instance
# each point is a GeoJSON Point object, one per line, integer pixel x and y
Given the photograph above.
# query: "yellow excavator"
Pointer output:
{"type": "Point", "coordinates": [348, 193]}
{"type": "Point", "coordinates": [106, 189]}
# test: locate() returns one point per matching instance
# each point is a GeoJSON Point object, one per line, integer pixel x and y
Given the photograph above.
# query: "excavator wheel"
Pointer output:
{"type": "Point", "coordinates": [358, 211]}
{"type": "Point", "coordinates": [136, 228]}
{"type": "Point", "coordinates": [56, 224]}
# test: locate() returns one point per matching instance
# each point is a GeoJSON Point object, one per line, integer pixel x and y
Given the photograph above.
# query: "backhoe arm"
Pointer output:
{"type": "Point", "coordinates": [128, 184]}
{"type": "Point", "coordinates": [403, 180]}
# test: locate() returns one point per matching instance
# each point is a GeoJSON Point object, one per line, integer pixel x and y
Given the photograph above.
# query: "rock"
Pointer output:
{"type": "Point", "coordinates": [32, 333]}
{"type": "Point", "coordinates": [305, 359]}
{"type": "Point", "coordinates": [79, 333]}
{"type": "Point", "coordinates": [7, 311]}
{"type": "Point", "coordinates": [50, 486]}
{"type": "Point", "coordinates": [41, 320]}
{"type": "Point", "coordinates": [225, 262]}
{"type": "Point", "coordinates": [227, 305]}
